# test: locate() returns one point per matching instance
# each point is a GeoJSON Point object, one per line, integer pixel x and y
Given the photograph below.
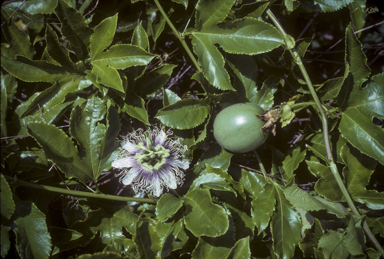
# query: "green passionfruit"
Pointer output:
{"type": "Point", "coordinates": [238, 129]}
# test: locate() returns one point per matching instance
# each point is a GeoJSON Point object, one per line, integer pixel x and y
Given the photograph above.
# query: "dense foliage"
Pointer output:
{"type": "Point", "coordinates": [96, 94]}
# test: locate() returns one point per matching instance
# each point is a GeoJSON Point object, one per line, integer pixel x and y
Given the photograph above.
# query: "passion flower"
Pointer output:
{"type": "Point", "coordinates": [238, 129]}
{"type": "Point", "coordinates": [151, 160]}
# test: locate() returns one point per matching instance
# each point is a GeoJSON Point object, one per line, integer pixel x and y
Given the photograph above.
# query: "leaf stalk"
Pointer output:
{"type": "Point", "coordinates": [78, 193]}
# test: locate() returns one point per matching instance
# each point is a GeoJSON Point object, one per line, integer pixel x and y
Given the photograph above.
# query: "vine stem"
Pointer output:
{"type": "Point", "coordinates": [179, 36]}
{"type": "Point", "coordinates": [324, 122]}
{"type": "Point", "coordinates": [78, 193]}
{"type": "Point", "coordinates": [262, 168]}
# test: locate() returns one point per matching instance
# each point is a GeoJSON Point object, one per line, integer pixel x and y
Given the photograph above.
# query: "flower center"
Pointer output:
{"type": "Point", "coordinates": [151, 158]}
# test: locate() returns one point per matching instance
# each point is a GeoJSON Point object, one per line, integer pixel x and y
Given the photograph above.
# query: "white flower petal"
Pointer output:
{"type": "Point", "coordinates": [129, 177]}
{"type": "Point", "coordinates": [160, 139]}
{"type": "Point", "coordinates": [170, 180]}
{"type": "Point", "coordinates": [157, 189]}
{"type": "Point", "coordinates": [130, 147]}
{"type": "Point", "coordinates": [180, 163]}
{"type": "Point", "coordinates": [124, 162]}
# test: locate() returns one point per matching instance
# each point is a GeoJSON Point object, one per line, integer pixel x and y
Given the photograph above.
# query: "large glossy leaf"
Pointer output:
{"type": "Point", "coordinates": [57, 51]}
{"type": "Point", "coordinates": [263, 207]}
{"type": "Point", "coordinates": [32, 71]}
{"type": "Point", "coordinates": [302, 199]}
{"type": "Point", "coordinates": [167, 206]}
{"type": "Point", "coordinates": [211, 181]}
{"type": "Point", "coordinates": [333, 246]}
{"type": "Point", "coordinates": [240, 250]}
{"type": "Point", "coordinates": [103, 35]}
{"type": "Point", "coordinates": [356, 121]}
{"type": "Point", "coordinates": [357, 172]}
{"type": "Point", "coordinates": [7, 203]}
{"type": "Point", "coordinates": [246, 36]}
{"type": "Point", "coordinates": [19, 41]}
{"type": "Point", "coordinates": [147, 240]}
{"type": "Point", "coordinates": [59, 148]}
{"type": "Point", "coordinates": [74, 28]}
{"type": "Point", "coordinates": [184, 114]}
{"type": "Point", "coordinates": [32, 236]}
{"type": "Point", "coordinates": [285, 226]}
{"type": "Point", "coordinates": [204, 218]}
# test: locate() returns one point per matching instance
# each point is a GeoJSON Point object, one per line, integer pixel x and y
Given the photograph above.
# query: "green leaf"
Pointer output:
{"type": "Point", "coordinates": [57, 51]}
{"type": "Point", "coordinates": [311, 238]}
{"type": "Point", "coordinates": [246, 36]}
{"type": "Point", "coordinates": [140, 37]}
{"type": "Point", "coordinates": [357, 172]}
{"type": "Point", "coordinates": [331, 88]}
{"type": "Point", "coordinates": [111, 228]}
{"type": "Point", "coordinates": [103, 35]}
{"type": "Point", "coordinates": [135, 107]}
{"type": "Point", "coordinates": [154, 80]}
{"type": "Point", "coordinates": [252, 182]}
{"type": "Point", "coordinates": [355, 59]}
{"type": "Point", "coordinates": [3, 107]}
{"type": "Point", "coordinates": [108, 76]}
{"type": "Point", "coordinates": [74, 28]}
{"type": "Point", "coordinates": [19, 41]}
{"type": "Point", "coordinates": [211, 181]}
{"type": "Point", "coordinates": [228, 178]}
{"type": "Point", "coordinates": [215, 156]}
{"type": "Point", "coordinates": [201, 209]}
{"type": "Point", "coordinates": [264, 97]}
{"type": "Point", "coordinates": [101, 255]}
{"type": "Point", "coordinates": [61, 238]}
{"type": "Point", "coordinates": [169, 97]}
{"type": "Point", "coordinates": [184, 114]}
{"type": "Point", "coordinates": [336, 143]}
{"type": "Point", "coordinates": [376, 225]}
{"type": "Point", "coordinates": [32, 236]}
{"type": "Point", "coordinates": [157, 26]}
{"type": "Point", "coordinates": [209, 13]}
{"type": "Point", "coordinates": [355, 238]}
{"type": "Point", "coordinates": [323, 5]}
{"type": "Point", "coordinates": [333, 245]}
{"type": "Point", "coordinates": [356, 121]}
{"type": "Point", "coordinates": [285, 226]}
{"type": "Point", "coordinates": [357, 11]}
{"type": "Point", "coordinates": [167, 206]}
{"type": "Point", "coordinates": [7, 203]}
{"type": "Point", "coordinates": [326, 186]}
{"type": "Point", "coordinates": [32, 7]}
{"type": "Point", "coordinates": [85, 127]}
{"type": "Point", "coordinates": [302, 199]}
{"type": "Point", "coordinates": [241, 249]}
{"type": "Point", "coordinates": [5, 242]}
{"type": "Point", "coordinates": [147, 240]}
{"type": "Point", "coordinates": [210, 249]}
{"type": "Point", "coordinates": [293, 160]}
{"type": "Point", "coordinates": [59, 148]}
{"type": "Point", "coordinates": [32, 70]}
{"type": "Point", "coordinates": [263, 207]}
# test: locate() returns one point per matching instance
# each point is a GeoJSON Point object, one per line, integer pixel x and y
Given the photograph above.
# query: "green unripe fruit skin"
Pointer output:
{"type": "Point", "coordinates": [238, 129]}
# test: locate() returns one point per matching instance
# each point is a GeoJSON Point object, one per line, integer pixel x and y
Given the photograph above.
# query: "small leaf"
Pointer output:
{"type": "Point", "coordinates": [33, 7]}
{"type": "Point", "coordinates": [336, 143]}
{"type": "Point", "coordinates": [135, 107]}
{"type": "Point", "coordinates": [285, 226]}
{"type": "Point", "coordinates": [263, 207]}
{"type": "Point", "coordinates": [101, 255]}
{"type": "Point", "coordinates": [209, 13]}
{"type": "Point", "coordinates": [201, 209]}
{"type": "Point", "coordinates": [103, 35]}
{"type": "Point", "coordinates": [184, 114]}
{"type": "Point", "coordinates": [292, 161]}
{"type": "Point", "coordinates": [377, 225]}
{"type": "Point", "coordinates": [157, 26]}
{"type": "Point", "coordinates": [167, 206]}
{"type": "Point", "coordinates": [74, 28]}
{"type": "Point", "coordinates": [311, 238]}
{"type": "Point", "coordinates": [169, 97]}
{"type": "Point", "coordinates": [323, 5]}
{"type": "Point", "coordinates": [211, 181]}
{"type": "Point", "coordinates": [7, 203]}
{"type": "Point", "coordinates": [240, 250]}
{"type": "Point", "coordinates": [5, 241]}
{"type": "Point", "coordinates": [32, 236]}
{"type": "Point", "coordinates": [140, 37]}
{"type": "Point", "coordinates": [216, 157]}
